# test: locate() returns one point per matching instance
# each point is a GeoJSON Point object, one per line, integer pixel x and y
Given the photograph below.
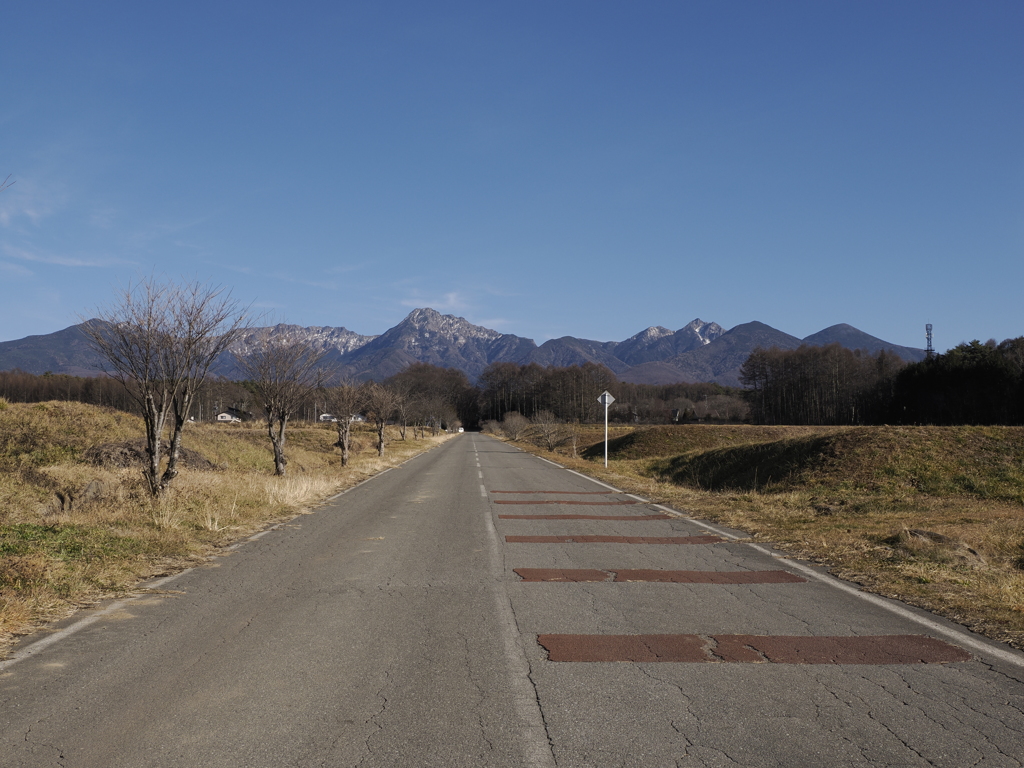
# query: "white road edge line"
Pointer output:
{"type": "Point", "coordinates": [146, 587]}
{"type": "Point", "coordinates": [958, 636]}
{"type": "Point", "coordinates": [363, 482]}
{"type": "Point", "coordinates": [46, 642]}
{"type": "Point", "coordinates": [961, 637]}
{"type": "Point", "coordinates": [586, 477]}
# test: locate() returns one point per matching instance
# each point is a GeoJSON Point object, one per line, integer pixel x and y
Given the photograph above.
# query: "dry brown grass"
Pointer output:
{"type": "Point", "coordinates": [72, 532]}
{"type": "Point", "coordinates": [847, 497]}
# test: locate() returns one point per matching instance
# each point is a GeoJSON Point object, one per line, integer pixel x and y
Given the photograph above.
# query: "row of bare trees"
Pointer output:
{"type": "Point", "coordinates": [544, 429]}
{"type": "Point", "coordinates": [571, 392]}
{"type": "Point", "coordinates": [159, 339]}
{"type": "Point", "coordinates": [17, 386]}
{"type": "Point", "coordinates": [973, 383]}
{"type": "Point", "coordinates": [215, 395]}
{"type": "Point", "coordinates": [819, 385]}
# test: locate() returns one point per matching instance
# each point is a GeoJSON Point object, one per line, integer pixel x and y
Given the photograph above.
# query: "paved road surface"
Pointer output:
{"type": "Point", "coordinates": [482, 607]}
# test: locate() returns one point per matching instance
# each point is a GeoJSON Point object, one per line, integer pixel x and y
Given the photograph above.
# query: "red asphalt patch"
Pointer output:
{"type": "Point", "coordinates": [584, 517]}
{"type": "Point", "coordinates": [776, 649]}
{"type": "Point", "coordinates": [567, 493]}
{"type": "Point", "coordinates": [590, 539]}
{"type": "Point", "coordinates": [579, 503]}
{"type": "Point", "coordinates": [651, 575]}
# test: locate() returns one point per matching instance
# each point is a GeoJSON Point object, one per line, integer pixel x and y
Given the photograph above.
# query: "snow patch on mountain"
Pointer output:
{"type": "Point", "coordinates": [649, 336]}
{"type": "Point", "coordinates": [321, 338]}
{"type": "Point", "coordinates": [706, 332]}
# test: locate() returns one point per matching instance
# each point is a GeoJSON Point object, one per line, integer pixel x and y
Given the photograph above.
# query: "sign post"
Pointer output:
{"type": "Point", "coordinates": [606, 399]}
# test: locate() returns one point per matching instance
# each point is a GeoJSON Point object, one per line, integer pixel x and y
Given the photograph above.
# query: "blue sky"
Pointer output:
{"type": "Point", "coordinates": [541, 168]}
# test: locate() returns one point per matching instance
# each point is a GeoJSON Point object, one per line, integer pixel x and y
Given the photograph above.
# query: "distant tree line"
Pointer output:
{"type": "Point", "coordinates": [429, 398]}
{"type": "Point", "coordinates": [20, 387]}
{"type": "Point", "coordinates": [818, 385]}
{"type": "Point", "coordinates": [213, 397]}
{"type": "Point", "coordinates": [973, 383]}
{"type": "Point", "coordinates": [570, 394]}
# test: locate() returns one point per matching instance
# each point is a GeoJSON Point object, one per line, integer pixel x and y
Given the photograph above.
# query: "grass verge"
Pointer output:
{"type": "Point", "coordinates": [75, 528]}
{"type": "Point", "coordinates": [933, 516]}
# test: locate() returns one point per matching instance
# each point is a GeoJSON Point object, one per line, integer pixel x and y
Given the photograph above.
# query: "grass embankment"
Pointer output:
{"type": "Point", "coordinates": [75, 527]}
{"type": "Point", "coordinates": [931, 515]}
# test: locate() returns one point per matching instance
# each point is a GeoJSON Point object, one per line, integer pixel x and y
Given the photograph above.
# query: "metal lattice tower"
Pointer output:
{"type": "Point", "coordinates": [928, 351]}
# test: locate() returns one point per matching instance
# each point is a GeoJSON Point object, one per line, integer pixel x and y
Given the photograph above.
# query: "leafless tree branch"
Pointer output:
{"type": "Point", "coordinates": [281, 374]}
{"type": "Point", "coordinates": [159, 339]}
{"type": "Point", "coordinates": [381, 403]}
{"type": "Point", "coordinates": [344, 401]}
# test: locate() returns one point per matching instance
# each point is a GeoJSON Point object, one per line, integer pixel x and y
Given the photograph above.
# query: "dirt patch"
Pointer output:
{"type": "Point", "coordinates": [132, 453]}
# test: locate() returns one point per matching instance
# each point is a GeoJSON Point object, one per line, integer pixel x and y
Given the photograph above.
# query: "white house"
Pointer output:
{"type": "Point", "coordinates": [354, 418]}
{"type": "Point", "coordinates": [228, 418]}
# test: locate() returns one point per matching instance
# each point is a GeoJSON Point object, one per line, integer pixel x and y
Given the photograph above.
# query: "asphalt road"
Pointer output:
{"type": "Point", "coordinates": [449, 613]}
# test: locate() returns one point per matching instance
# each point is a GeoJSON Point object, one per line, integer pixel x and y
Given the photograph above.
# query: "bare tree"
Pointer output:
{"type": "Point", "coordinates": [380, 403]}
{"type": "Point", "coordinates": [434, 411]}
{"type": "Point", "coordinates": [405, 407]}
{"type": "Point", "coordinates": [549, 430]}
{"type": "Point", "coordinates": [574, 431]}
{"type": "Point", "coordinates": [6, 183]}
{"type": "Point", "coordinates": [282, 374]}
{"type": "Point", "coordinates": [159, 339]}
{"type": "Point", "coordinates": [515, 425]}
{"type": "Point", "coordinates": [344, 401]}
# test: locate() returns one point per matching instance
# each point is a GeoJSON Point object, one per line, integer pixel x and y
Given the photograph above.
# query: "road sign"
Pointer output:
{"type": "Point", "coordinates": [606, 399]}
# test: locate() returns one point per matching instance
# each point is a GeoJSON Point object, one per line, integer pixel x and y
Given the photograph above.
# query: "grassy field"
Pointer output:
{"type": "Point", "coordinates": [931, 515]}
{"type": "Point", "coordinates": [76, 527]}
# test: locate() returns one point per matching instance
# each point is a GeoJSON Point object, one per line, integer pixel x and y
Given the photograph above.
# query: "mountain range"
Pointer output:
{"type": "Point", "coordinates": [698, 352]}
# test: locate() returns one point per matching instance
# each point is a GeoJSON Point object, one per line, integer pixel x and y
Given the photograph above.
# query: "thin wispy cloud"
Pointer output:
{"type": "Point", "coordinates": [103, 218]}
{"type": "Point", "coordinates": [63, 261]}
{"type": "Point", "coordinates": [25, 203]}
{"type": "Point", "coordinates": [148, 234]}
{"type": "Point", "coordinates": [242, 270]}
{"type": "Point", "coordinates": [15, 269]}
{"type": "Point", "coordinates": [449, 302]}
{"type": "Point", "coordinates": [328, 285]}
{"type": "Point", "coordinates": [494, 323]}
{"type": "Point", "coordinates": [342, 269]}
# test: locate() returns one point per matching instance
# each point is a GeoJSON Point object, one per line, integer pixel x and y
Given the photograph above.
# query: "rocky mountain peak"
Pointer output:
{"type": "Point", "coordinates": [651, 334]}
{"type": "Point", "coordinates": [705, 332]}
{"type": "Point", "coordinates": [428, 322]}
